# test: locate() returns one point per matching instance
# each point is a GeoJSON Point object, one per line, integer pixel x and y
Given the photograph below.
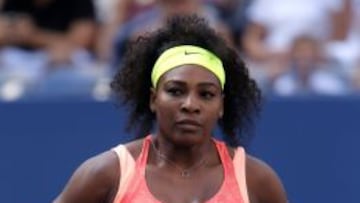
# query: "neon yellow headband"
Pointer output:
{"type": "Point", "coordinates": [187, 54]}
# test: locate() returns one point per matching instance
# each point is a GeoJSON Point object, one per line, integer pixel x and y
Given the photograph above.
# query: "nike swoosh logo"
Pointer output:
{"type": "Point", "coordinates": [190, 53]}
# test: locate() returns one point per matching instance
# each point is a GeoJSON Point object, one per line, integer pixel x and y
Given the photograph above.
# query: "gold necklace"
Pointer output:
{"type": "Point", "coordinates": [184, 173]}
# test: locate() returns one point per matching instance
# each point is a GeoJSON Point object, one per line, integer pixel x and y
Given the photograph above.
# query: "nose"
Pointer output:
{"type": "Point", "coordinates": [190, 104]}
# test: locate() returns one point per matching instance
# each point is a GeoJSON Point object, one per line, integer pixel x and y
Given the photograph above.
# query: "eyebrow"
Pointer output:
{"type": "Point", "coordinates": [202, 84]}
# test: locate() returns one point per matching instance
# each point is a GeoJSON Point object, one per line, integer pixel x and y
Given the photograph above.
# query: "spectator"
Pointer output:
{"type": "Point", "coordinates": [347, 51]}
{"type": "Point", "coordinates": [233, 14]}
{"type": "Point", "coordinates": [310, 73]}
{"type": "Point", "coordinates": [42, 37]}
{"type": "Point", "coordinates": [112, 14]}
{"type": "Point", "coordinates": [272, 32]}
{"type": "Point", "coordinates": [155, 17]}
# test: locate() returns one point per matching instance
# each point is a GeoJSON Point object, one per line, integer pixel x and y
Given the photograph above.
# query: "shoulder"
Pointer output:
{"type": "Point", "coordinates": [135, 147]}
{"type": "Point", "coordinates": [263, 183]}
{"type": "Point", "coordinates": [93, 181]}
{"type": "Point", "coordinates": [97, 179]}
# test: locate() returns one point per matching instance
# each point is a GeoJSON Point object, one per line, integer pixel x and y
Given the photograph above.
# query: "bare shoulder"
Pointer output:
{"type": "Point", "coordinates": [264, 185]}
{"type": "Point", "coordinates": [95, 180]}
{"type": "Point", "coordinates": [135, 147]}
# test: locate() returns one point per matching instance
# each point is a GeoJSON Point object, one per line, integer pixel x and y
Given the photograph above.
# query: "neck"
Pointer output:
{"type": "Point", "coordinates": [184, 156]}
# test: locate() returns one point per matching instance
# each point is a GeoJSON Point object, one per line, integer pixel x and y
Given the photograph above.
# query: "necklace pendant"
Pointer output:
{"type": "Point", "coordinates": [185, 174]}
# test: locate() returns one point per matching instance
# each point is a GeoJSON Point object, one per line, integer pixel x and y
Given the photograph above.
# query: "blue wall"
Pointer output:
{"type": "Point", "coordinates": [311, 143]}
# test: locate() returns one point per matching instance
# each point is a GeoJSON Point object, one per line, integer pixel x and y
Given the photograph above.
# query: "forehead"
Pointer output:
{"type": "Point", "coordinates": [190, 74]}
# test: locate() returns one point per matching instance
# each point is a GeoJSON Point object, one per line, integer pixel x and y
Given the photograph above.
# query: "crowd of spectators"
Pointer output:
{"type": "Point", "coordinates": [56, 49]}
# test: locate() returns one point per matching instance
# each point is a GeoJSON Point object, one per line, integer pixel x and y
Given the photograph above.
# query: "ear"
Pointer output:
{"type": "Point", "coordinates": [152, 99]}
{"type": "Point", "coordinates": [221, 113]}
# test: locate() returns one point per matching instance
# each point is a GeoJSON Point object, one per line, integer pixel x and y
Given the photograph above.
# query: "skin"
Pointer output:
{"type": "Point", "coordinates": [255, 33]}
{"type": "Point", "coordinates": [22, 30]}
{"type": "Point", "coordinates": [184, 93]}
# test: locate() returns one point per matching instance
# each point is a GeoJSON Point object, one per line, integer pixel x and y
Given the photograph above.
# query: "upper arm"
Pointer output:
{"type": "Point", "coordinates": [82, 28]}
{"type": "Point", "coordinates": [341, 20]}
{"type": "Point", "coordinates": [264, 185]}
{"type": "Point", "coordinates": [94, 181]}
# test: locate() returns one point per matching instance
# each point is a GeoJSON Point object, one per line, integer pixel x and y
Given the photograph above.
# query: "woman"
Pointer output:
{"type": "Point", "coordinates": [180, 82]}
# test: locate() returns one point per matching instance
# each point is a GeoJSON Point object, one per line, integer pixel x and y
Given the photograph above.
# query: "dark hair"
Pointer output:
{"type": "Point", "coordinates": [133, 81]}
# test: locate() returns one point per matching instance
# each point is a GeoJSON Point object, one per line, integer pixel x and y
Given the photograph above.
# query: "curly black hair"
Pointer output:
{"type": "Point", "coordinates": [133, 81]}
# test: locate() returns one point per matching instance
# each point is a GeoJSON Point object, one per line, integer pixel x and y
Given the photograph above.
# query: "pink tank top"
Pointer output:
{"type": "Point", "coordinates": [133, 187]}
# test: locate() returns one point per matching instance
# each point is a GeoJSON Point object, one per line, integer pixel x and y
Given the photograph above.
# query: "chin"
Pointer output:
{"type": "Point", "coordinates": [188, 138]}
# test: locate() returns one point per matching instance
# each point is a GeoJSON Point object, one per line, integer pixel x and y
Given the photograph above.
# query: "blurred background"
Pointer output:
{"type": "Point", "coordinates": [57, 58]}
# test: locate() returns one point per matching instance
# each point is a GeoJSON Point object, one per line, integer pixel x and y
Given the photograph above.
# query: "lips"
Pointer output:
{"type": "Point", "coordinates": [188, 124]}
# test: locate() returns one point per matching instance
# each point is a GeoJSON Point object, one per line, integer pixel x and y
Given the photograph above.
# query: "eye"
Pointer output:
{"type": "Point", "coordinates": [207, 95]}
{"type": "Point", "coordinates": [175, 91]}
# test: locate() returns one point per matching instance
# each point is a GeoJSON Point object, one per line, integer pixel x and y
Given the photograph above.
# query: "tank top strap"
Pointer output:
{"type": "Point", "coordinates": [142, 159]}
{"type": "Point", "coordinates": [224, 156]}
{"type": "Point", "coordinates": [129, 168]}
{"type": "Point", "coordinates": [239, 162]}
{"type": "Point", "coordinates": [234, 167]}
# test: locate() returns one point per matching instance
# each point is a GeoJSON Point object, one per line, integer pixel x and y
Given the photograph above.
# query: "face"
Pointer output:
{"type": "Point", "coordinates": [305, 53]}
{"type": "Point", "coordinates": [188, 103]}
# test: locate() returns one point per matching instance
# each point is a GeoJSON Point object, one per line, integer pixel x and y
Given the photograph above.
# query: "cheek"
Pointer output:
{"type": "Point", "coordinates": [165, 120]}
{"type": "Point", "coordinates": [213, 118]}
{"type": "Point", "coordinates": [213, 115]}
{"type": "Point", "coordinates": [166, 113]}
